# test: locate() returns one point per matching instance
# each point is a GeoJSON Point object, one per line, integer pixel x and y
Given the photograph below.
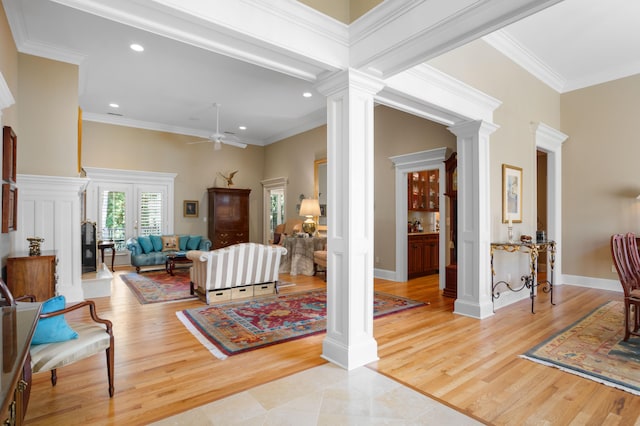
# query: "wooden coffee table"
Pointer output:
{"type": "Point", "coordinates": [172, 259]}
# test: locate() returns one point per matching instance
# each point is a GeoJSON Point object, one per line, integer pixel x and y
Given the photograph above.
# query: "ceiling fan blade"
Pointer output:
{"type": "Point", "coordinates": [234, 143]}
{"type": "Point", "coordinates": [197, 142]}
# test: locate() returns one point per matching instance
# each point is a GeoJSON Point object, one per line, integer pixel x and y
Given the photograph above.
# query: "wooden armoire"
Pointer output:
{"type": "Point", "coordinates": [228, 216]}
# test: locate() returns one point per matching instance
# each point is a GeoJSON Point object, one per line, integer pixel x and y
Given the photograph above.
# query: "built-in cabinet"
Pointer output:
{"type": "Point", "coordinates": [228, 216]}
{"type": "Point", "coordinates": [424, 188]}
{"type": "Point", "coordinates": [423, 254]}
{"type": "Point", "coordinates": [32, 275]}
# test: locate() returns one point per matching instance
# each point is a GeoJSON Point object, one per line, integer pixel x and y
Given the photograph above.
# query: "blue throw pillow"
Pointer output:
{"type": "Point", "coordinates": [145, 242]}
{"type": "Point", "coordinates": [183, 242]}
{"type": "Point", "coordinates": [54, 329]}
{"type": "Point", "coordinates": [194, 242]}
{"type": "Point", "coordinates": [156, 240]}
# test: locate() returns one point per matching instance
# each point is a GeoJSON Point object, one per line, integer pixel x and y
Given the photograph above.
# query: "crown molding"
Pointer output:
{"type": "Point", "coordinates": [508, 46]}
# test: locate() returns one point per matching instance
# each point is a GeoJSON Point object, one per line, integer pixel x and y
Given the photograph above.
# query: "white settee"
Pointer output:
{"type": "Point", "coordinates": [238, 271]}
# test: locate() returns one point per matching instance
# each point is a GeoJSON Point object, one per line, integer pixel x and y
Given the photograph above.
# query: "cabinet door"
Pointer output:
{"type": "Point", "coordinates": [431, 255]}
{"type": "Point", "coordinates": [416, 257]}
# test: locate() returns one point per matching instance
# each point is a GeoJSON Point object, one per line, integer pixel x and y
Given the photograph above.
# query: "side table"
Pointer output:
{"type": "Point", "coordinates": [173, 258]}
{"type": "Point", "coordinates": [102, 245]}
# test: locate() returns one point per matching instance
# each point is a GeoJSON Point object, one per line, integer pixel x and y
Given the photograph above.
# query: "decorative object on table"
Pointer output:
{"type": "Point", "coordinates": [593, 348]}
{"type": "Point", "coordinates": [9, 208]}
{"type": "Point", "coordinates": [310, 208]}
{"type": "Point", "coordinates": [191, 208]}
{"type": "Point", "coordinates": [540, 236]}
{"type": "Point", "coordinates": [236, 327]}
{"type": "Point", "coordinates": [510, 230]}
{"type": "Point", "coordinates": [526, 239]}
{"type": "Point", "coordinates": [511, 193]}
{"type": "Point", "coordinates": [229, 179]}
{"type": "Point", "coordinates": [34, 245]}
{"type": "Point", "coordinates": [159, 286]}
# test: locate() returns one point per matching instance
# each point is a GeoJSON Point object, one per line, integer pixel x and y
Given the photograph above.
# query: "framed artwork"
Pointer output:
{"type": "Point", "coordinates": [190, 208]}
{"type": "Point", "coordinates": [9, 142]}
{"type": "Point", "coordinates": [9, 208]}
{"type": "Point", "coordinates": [511, 194]}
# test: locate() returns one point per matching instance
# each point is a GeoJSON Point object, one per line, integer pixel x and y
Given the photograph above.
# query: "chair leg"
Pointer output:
{"type": "Point", "coordinates": [627, 312]}
{"type": "Point", "coordinates": [109, 352]}
{"type": "Point", "coordinates": [54, 377]}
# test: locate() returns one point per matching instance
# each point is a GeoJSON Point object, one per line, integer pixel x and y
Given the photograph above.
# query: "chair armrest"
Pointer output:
{"type": "Point", "coordinates": [92, 311]}
{"type": "Point", "coordinates": [30, 297]}
{"type": "Point", "coordinates": [205, 244]}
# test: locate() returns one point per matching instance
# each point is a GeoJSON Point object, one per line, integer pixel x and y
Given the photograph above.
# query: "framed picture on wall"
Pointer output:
{"type": "Point", "coordinates": [9, 208]}
{"type": "Point", "coordinates": [190, 208]}
{"type": "Point", "coordinates": [9, 142]}
{"type": "Point", "coordinates": [511, 194]}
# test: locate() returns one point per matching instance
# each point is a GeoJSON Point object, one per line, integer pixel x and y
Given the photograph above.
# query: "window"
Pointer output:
{"type": "Point", "coordinates": [123, 210]}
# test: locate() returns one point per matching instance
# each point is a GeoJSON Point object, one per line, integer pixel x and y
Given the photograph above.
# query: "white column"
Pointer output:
{"type": "Point", "coordinates": [474, 225]}
{"type": "Point", "coordinates": [349, 341]}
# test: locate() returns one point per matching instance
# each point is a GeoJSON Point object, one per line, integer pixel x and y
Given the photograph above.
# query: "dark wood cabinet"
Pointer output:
{"type": "Point", "coordinates": [423, 255]}
{"type": "Point", "coordinates": [228, 216]}
{"type": "Point", "coordinates": [451, 270]}
{"type": "Point", "coordinates": [34, 275]}
{"type": "Point", "coordinates": [424, 188]}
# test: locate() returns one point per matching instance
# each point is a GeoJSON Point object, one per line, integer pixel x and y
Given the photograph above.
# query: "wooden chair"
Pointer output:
{"type": "Point", "coordinates": [620, 253]}
{"type": "Point", "coordinates": [93, 337]}
{"type": "Point", "coordinates": [634, 256]}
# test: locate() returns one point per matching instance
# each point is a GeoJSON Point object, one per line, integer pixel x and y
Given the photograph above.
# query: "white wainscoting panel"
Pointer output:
{"type": "Point", "coordinates": [50, 207]}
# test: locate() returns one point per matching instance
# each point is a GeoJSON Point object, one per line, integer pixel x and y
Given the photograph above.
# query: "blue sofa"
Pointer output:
{"type": "Point", "coordinates": [152, 250]}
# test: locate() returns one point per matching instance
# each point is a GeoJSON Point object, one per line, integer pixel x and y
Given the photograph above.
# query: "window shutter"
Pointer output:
{"type": "Point", "coordinates": [150, 213]}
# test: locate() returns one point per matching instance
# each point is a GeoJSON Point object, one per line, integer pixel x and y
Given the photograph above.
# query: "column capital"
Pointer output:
{"type": "Point", "coordinates": [472, 128]}
{"type": "Point", "coordinates": [349, 78]}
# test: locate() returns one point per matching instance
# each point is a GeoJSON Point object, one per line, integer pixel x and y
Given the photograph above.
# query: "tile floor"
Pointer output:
{"type": "Point", "coordinates": [325, 395]}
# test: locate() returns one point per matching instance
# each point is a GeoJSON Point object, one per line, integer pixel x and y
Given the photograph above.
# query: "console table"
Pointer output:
{"type": "Point", "coordinates": [299, 257]}
{"type": "Point", "coordinates": [527, 281]}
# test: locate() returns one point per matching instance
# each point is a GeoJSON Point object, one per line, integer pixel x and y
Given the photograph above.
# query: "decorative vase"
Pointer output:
{"type": "Point", "coordinates": [34, 245]}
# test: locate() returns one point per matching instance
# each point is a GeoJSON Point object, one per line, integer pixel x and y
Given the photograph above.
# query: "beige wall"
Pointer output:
{"type": "Point", "coordinates": [48, 108]}
{"type": "Point", "coordinates": [601, 177]}
{"type": "Point", "coordinates": [197, 167]}
{"type": "Point", "coordinates": [525, 99]}
{"type": "Point", "coordinates": [341, 10]}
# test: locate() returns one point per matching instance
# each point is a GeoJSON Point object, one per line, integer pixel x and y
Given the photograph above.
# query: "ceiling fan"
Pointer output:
{"type": "Point", "coordinates": [219, 138]}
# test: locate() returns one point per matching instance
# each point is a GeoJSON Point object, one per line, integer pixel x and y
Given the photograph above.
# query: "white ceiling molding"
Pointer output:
{"type": "Point", "coordinates": [6, 98]}
{"type": "Point", "coordinates": [429, 86]}
{"type": "Point", "coordinates": [311, 121]}
{"type": "Point", "coordinates": [508, 46]}
{"type": "Point", "coordinates": [264, 36]}
{"type": "Point", "coordinates": [404, 41]}
{"type": "Point", "coordinates": [138, 124]}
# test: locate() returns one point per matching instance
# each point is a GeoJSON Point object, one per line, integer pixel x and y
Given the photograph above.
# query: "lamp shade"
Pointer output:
{"type": "Point", "coordinates": [310, 207]}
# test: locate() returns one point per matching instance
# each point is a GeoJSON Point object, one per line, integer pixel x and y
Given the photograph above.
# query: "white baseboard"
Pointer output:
{"type": "Point", "coordinates": [591, 282]}
{"type": "Point", "coordinates": [385, 274]}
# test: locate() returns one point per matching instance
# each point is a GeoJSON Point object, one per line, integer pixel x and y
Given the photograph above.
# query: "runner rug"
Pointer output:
{"type": "Point", "coordinates": [593, 348]}
{"type": "Point", "coordinates": [159, 286]}
{"type": "Point", "coordinates": [236, 327]}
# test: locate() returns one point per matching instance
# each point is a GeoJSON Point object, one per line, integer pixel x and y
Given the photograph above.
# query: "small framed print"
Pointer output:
{"type": "Point", "coordinates": [511, 194]}
{"type": "Point", "coordinates": [9, 142]}
{"type": "Point", "coordinates": [190, 208]}
{"type": "Point", "coordinates": [9, 208]}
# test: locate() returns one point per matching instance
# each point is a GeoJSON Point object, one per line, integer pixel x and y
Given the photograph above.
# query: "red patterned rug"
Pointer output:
{"type": "Point", "coordinates": [159, 286]}
{"type": "Point", "coordinates": [236, 327]}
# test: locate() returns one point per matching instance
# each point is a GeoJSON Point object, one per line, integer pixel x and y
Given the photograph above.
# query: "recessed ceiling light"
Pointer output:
{"type": "Point", "coordinates": [114, 105]}
{"type": "Point", "coordinates": [136, 47]}
{"type": "Point", "coordinates": [307, 94]}
{"type": "Point", "coordinates": [242, 127]}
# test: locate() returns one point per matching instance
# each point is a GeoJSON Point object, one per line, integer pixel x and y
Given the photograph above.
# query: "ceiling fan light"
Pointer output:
{"type": "Point", "coordinates": [217, 145]}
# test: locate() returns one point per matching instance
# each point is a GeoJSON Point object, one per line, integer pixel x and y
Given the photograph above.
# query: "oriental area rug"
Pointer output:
{"type": "Point", "coordinates": [159, 286]}
{"type": "Point", "coordinates": [593, 348]}
{"type": "Point", "coordinates": [235, 327]}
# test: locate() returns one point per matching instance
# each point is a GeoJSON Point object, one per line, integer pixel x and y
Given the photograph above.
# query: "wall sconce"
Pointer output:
{"type": "Point", "coordinates": [309, 208]}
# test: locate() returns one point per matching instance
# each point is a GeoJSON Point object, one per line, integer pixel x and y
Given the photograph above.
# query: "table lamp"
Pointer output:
{"type": "Point", "coordinates": [309, 208]}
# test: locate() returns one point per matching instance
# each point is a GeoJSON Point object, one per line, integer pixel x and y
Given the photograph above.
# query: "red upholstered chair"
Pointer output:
{"type": "Point", "coordinates": [620, 248]}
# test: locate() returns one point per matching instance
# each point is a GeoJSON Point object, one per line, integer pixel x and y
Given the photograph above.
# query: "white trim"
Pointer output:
{"type": "Point", "coordinates": [591, 282]}
{"type": "Point", "coordinates": [416, 162]}
{"type": "Point", "coordinates": [269, 185]}
{"type": "Point", "coordinates": [507, 45]}
{"type": "Point", "coordinates": [6, 98]}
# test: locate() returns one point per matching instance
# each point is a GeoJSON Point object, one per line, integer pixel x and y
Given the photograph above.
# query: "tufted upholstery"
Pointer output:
{"type": "Point", "coordinates": [237, 265]}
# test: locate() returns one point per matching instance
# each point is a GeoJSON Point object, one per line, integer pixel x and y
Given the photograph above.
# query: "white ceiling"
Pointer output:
{"type": "Point", "coordinates": [172, 85]}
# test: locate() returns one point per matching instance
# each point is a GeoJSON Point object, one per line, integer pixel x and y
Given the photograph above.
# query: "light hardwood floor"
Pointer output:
{"type": "Point", "coordinates": [471, 365]}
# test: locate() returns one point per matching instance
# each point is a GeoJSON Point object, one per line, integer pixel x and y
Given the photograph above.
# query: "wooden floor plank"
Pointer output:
{"type": "Point", "coordinates": [472, 365]}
